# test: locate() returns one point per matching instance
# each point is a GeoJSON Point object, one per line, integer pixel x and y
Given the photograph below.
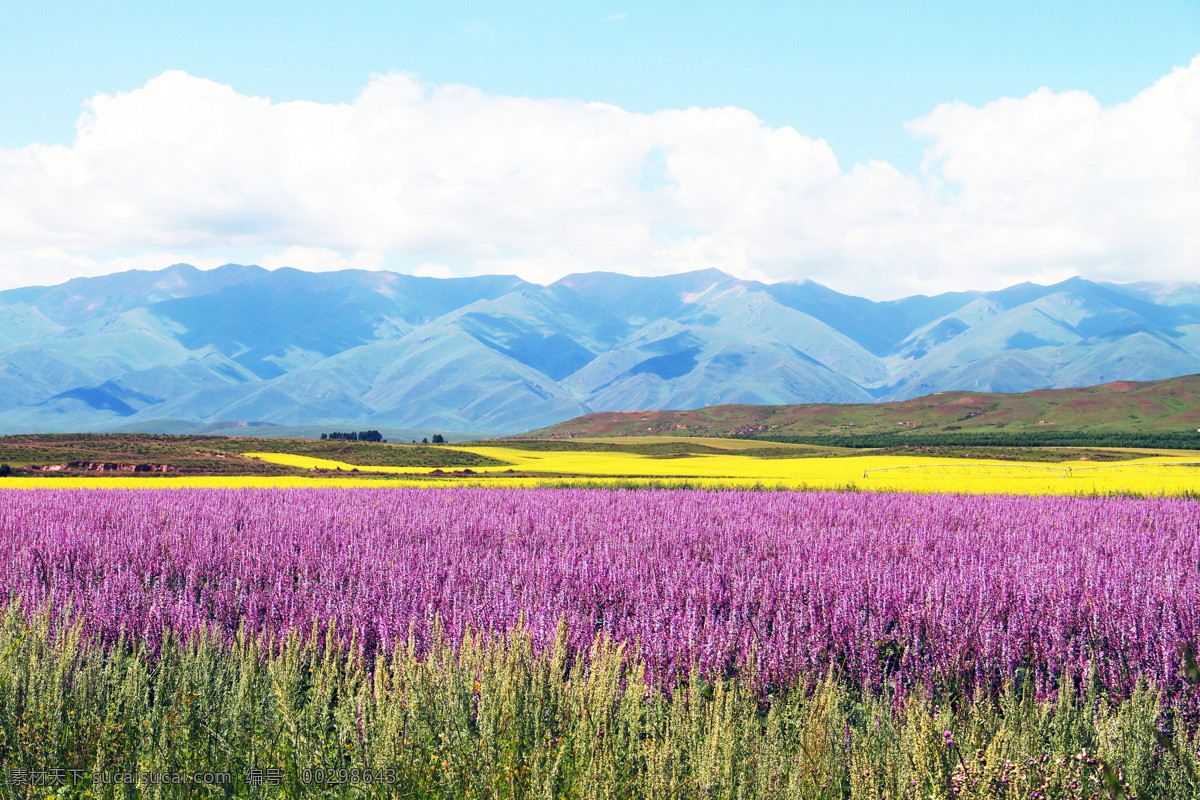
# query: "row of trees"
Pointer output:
{"type": "Point", "coordinates": [371, 436]}
{"type": "Point", "coordinates": [1166, 440]}
{"type": "Point", "coordinates": [361, 436]}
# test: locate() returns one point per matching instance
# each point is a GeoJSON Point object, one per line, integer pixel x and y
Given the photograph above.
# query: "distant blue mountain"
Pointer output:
{"type": "Point", "coordinates": [499, 354]}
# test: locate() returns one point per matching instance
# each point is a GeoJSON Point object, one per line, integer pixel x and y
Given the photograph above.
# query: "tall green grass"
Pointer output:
{"type": "Point", "coordinates": [495, 719]}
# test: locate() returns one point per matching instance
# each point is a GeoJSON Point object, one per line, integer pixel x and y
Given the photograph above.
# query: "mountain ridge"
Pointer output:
{"type": "Point", "coordinates": [500, 354]}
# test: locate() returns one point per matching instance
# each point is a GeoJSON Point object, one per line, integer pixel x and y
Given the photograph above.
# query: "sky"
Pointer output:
{"type": "Point", "coordinates": [882, 149]}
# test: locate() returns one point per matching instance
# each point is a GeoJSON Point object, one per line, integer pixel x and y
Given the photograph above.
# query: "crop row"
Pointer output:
{"type": "Point", "coordinates": [953, 593]}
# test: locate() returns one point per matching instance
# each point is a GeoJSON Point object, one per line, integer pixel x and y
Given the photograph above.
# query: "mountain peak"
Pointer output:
{"type": "Point", "coordinates": [496, 353]}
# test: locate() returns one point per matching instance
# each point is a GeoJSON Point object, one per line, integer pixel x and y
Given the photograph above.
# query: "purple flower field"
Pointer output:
{"type": "Point", "coordinates": [934, 589]}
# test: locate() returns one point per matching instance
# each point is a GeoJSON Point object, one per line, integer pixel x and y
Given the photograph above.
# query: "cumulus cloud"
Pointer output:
{"type": "Point", "coordinates": [430, 270]}
{"type": "Point", "coordinates": [1039, 188]}
{"type": "Point", "coordinates": [321, 259]}
{"type": "Point", "coordinates": [1058, 180]}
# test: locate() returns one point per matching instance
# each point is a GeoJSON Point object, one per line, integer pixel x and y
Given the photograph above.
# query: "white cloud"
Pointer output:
{"type": "Point", "coordinates": [321, 259]}
{"type": "Point", "coordinates": [1034, 188]}
{"type": "Point", "coordinates": [1056, 181]}
{"type": "Point", "coordinates": [429, 270]}
{"type": "Point", "coordinates": [614, 17]}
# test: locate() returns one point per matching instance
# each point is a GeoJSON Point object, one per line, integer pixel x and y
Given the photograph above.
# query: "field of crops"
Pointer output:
{"type": "Point", "coordinates": [574, 643]}
{"type": "Point", "coordinates": [1150, 474]}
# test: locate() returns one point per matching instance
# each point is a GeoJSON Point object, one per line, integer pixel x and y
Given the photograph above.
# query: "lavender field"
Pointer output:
{"type": "Point", "coordinates": [482, 643]}
{"type": "Point", "coordinates": [895, 590]}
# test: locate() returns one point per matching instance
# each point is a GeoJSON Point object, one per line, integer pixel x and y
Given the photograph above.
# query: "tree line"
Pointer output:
{"type": "Point", "coordinates": [360, 436]}
{"type": "Point", "coordinates": [371, 436]}
{"type": "Point", "coordinates": [1165, 440]}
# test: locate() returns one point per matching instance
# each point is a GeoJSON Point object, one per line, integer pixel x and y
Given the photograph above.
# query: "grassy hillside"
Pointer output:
{"type": "Point", "coordinates": [75, 454]}
{"type": "Point", "coordinates": [269, 430]}
{"type": "Point", "coordinates": [1162, 413]}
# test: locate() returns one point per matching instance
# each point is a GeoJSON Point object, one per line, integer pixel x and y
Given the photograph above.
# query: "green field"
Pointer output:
{"type": "Point", "coordinates": [57, 456]}
{"type": "Point", "coordinates": [209, 455]}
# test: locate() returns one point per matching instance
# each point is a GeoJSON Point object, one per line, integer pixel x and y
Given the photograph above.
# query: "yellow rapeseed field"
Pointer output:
{"type": "Point", "coordinates": [594, 468]}
{"type": "Point", "coordinates": [885, 473]}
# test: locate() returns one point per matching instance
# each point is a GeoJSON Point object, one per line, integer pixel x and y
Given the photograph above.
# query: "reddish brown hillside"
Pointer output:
{"type": "Point", "coordinates": [1123, 406]}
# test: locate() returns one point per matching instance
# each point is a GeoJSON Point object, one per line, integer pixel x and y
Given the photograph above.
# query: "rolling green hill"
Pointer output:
{"type": "Point", "coordinates": [72, 454]}
{"type": "Point", "coordinates": [1162, 413]}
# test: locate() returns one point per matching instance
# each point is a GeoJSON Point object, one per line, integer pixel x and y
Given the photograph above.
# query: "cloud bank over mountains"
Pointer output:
{"type": "Point", "coordinates": [442, 180]}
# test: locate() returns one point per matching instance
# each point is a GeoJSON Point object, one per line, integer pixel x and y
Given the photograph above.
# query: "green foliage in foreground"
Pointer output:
{"type": "Point", "coordinates": [498, 720]}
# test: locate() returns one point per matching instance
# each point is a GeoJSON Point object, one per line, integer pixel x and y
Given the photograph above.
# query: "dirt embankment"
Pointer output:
{"type": "Point", "coordinates": [99, 466]}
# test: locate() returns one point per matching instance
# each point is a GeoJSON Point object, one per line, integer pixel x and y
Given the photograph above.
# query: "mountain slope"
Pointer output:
{"type": "Point", "coordinates": [497, 353]}
{"type": "Point", "coordinates": [1167, 406]}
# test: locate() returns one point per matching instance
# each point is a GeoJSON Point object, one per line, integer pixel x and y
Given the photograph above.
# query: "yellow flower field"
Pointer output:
{"type": "Point", "coordinates": [1161, 474]}
{"type": "Point", "coordinates": [889, 473]}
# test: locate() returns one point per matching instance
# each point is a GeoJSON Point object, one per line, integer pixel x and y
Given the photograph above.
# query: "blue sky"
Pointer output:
{"type": "Point", "coordinates": [898, 83]}
{"type": "Point", "coordinates": [849, 72]}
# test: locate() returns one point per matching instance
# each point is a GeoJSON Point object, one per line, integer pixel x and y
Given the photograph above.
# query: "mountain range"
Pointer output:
{"type": "Point", "coordinates": [499, 354]}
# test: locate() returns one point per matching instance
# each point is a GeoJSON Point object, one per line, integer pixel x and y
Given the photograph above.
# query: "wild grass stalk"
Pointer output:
{"type": "Point", "coordinates": [492, 716]}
